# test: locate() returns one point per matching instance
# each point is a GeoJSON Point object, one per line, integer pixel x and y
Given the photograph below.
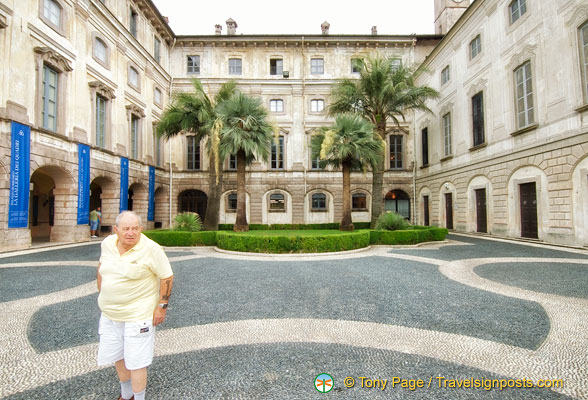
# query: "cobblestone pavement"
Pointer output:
{"type": "Point", "coordinates": [264, 326]}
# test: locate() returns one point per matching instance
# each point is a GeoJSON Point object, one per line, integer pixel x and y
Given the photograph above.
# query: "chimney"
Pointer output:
{"type": "Point", "coordinates": [325, 28]}
{"type": "Point", "coordinates": [231, 27]}
{"type": "Point", "coordinates": [166, 19]}
{"type": "Point", "coordinates": [218, 29]}
{"type": "Point", "coordinates": [374, 30]}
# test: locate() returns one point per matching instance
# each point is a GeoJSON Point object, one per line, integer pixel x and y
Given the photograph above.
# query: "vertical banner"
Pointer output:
{"type": "Point", "coordinates": [83, 184]}
{"type": "Point", "coordinates": [151, 207]}
{"type": "Point", "coordinates": [124, 184]}
{"type": "Point", "coordinates": [20, 169]}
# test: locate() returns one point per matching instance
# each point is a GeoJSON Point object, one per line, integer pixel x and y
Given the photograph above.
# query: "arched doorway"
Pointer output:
{"type": "Point", "coordinates": [193, 201]}
{"type": "Point", "coordinates": [397, 201]}
{"type": "Point", "coordinates": [41, 206]}
{"type": "Point", "coordinates": [104, 194]}
{"type": "Point", "coordinates": [139, 200]}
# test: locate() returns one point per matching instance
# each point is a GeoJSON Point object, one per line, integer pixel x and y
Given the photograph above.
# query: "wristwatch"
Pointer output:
{"type": "Point", "coordinates": [163, 305]}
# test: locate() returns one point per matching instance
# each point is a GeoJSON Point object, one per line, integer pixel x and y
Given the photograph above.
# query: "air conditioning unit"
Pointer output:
{"type": "Point", "coordinates": [286, 74]}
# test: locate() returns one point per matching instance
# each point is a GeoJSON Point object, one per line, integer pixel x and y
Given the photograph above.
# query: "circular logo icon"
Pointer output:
{"type": "Point", "coordinates": [323, 383]}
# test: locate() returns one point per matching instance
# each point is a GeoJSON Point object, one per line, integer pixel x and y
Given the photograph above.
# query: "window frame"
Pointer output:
{"type": "Point", "coordinates": [397, 149]}
{"type": "Point", "coordinates": [98, 38]}
{"type": "Point", "coordinates": [133, 67]}
{"type": "Point", "coordinates": [584, 58]}
{"type": "Point", "coordinates": [135, 134]}
{"type": "Point", "coordinates": [157, 102]}
{"type": "Point", "coordinates": [196, 68]}
{"type": "Point", "coordinates": [274, 69]}
{"type": "Point", "coordinates": [157, 49]}
{"type": "Point", "coordinates": [445, 76]}
{"type": "Point", "coordinates": [475, 44]}
{"type": "Point", "coordinates": [446, 123]}
{"type": "Point", "coordinates": [312, 202]}
{"type": "Point", "coordinates": [233, 70]}
{"type": "Point", "coordinates": [425, 146]}
{"type": "Point", "coordinates": [277, 157]}
{"type": "Point", "coordinates": [194, 157]}
{"type": "Point", "coordinates": [355, 196]}
{"type": "Point", "coordinates": [529, 121]}
{"type": "Point", "coordinates": [46, 101]}
{"type": "Point", "coordinates": [276, 109]}
{"type": "Point", "coordinates": [315, 68]}
{"type": "Point", "coordinates": [283, 204]}
{"type": "Point", "coordinates": [317, 102]}
{"type": "Point", "coordinates": [101, 120]}
{"type": "Point", "coordinates": [478, 128]}
{"type": "Point", "coordinates": [60, 27]}
{"type": "Point", "coordinates": [229, 199]}
{"type": "Point", "coordinates": [134, 23]}
{"type": "Point", "coordinates": [519, 4]}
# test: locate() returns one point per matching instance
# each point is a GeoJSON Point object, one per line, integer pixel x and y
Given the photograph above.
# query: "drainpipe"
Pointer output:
{"type": "Point", "coordinates": [171, 172]}
{"type": "Point", "coordinates": [304, 112]}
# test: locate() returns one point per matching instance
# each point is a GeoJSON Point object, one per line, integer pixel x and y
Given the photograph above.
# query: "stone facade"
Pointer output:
{"type": "Point", "coordinates": [534, 130]}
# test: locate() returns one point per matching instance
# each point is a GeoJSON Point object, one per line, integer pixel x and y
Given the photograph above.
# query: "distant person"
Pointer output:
{"type": "Point", "coordinates": [95, 219]}
{"type": "Point", "coordinates": [135, 280]}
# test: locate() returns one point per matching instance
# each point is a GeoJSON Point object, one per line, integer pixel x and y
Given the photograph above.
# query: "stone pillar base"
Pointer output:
{"type": "Point", "coordinates": [15, 239]}
{"type": "Point", "coordinates": [77, 233]}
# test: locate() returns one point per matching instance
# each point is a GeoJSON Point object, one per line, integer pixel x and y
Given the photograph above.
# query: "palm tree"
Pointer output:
{"type": "Point", "coordinates": [246, 133]}
{"type": "Point", "coordinates": [385, 90]}
{"type": "Point", "coordinates": [195, 113]}
{"type": "Point", "coordinates": [351, 144]}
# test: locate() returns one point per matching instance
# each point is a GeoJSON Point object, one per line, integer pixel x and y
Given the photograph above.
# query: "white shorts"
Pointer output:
{"type": "Point", "coordinates": [131, 341]}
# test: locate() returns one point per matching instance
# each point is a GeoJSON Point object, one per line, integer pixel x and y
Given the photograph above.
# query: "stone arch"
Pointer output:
{"type": "Point", "coordinates": [362, 213]}
{"type": "Point", "coordinates": [139, 200]}
{"type": "Point", "coordinates": [447, 210]}
{"type": "Point", "coordinates": [53, 206]}
{"type": "Point", "coordinates": [228, 214]}
{"type": "Point", "coordinates": [104, 192]}
{"type": "Point", "coordinates": [527, 174]}
{"type": "Point", "coordinates": [398, 201]}
{"type": "Point", "coordinates": [161, 207]}
{"type": "Point", "coordinates": [579, 201]}
{"type": "Point", "coordinates": [479, 191]}
{"type": "Point", "coordinates": [193, 200]}
{"type": "Point", "coordinates": [317, 216]}
{"type": "Point", "coordinates": [271, 213]}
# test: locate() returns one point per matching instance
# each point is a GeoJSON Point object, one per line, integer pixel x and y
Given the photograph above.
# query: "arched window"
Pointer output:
{"type": "Point", "coordinates": [318, 202]}
{"type": "Point", "coordinates": [52, 12]}
{"type": "Point", "coordinates": [358, 202]}
{"type": "Point", "coordinates": [231, 202]}
{"type": "Point", "coordinates": [398, 201]}
{"type": "Point", "coordinates": [277, 202]}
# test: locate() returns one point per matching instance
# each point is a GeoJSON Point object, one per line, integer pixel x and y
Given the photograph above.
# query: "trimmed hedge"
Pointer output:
{"type": "Point", "coordinates": [180, 238]}
{"type": "Point", "coordinates": [416, 234]}
{"type": "Point", "coordinates": [293, 227]}
{"type": "Point", "coordinates": [292, 244]}
{"type": "Point", "coordinates": [260, 243]}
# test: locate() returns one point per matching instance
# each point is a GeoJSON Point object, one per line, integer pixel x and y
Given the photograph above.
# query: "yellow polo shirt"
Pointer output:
{"type": "Point", "coordinates": [130, 283]}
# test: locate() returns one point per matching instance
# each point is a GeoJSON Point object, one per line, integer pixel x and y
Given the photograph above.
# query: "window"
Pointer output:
{"type": "Point", "coordinates": [584, 54]}
{"type": "Point", "coordinates": [100, 121]}
{"type": "Point", "coordinates": [445, 75]}
{"type": "Point", "coordinates": [100, 52]}
{"type": "Point", "coordinates": [359, 202]}
{"type": "Point", "coordinates": [52, 12]}
{"type": "Point", "coordinates": [133, 22]}
{"type": "Point", "coordinates": [318, 202]}
{"type": "Point", "coordinates": [193, 64]}
{"type": "Point", "coordinates": [157, 49]}
{"type": "Point", "coordinates": [276, 66]}
{"type": "Point", "coordinates": [50, 82]}
{"type": "Point", "coordinates": [315, 163]}
{"type": "Point", "coordinates": [193, 153]}
{"type": "Point", "coordinates": [475, 47]}
{"type": "Point", "coordinates": [157, 96]}
{"type": "Point", "coordinates": [517, 9]}
{"type": "Point", "coordinates": [235, 66]}
{"type": "Point", "coordinates": [396, 63]}
{"type": "Point", "coordinates": [277, 105]}
{"type": "Point", "coordinates": [478, 118]}
{"type": "Point", "coordinates": [395, 151]}
{"type": "Point", "coordinates": [397, 201]}
{"type": "Point", "coordinates": [447, 133]}
{"type": "Point", "coordinates": [317, 105]}
{"type": "Point", "coordinates": [317, 66]}
{"type": "Point", "coordinates": [232, 202]}
{"type": "Point", "coordinates": [232, 161]}
{"type": "Point", "coordinates": [425, 145]}
{"type": "Point", "coordinates": [354, 69]}
{"type": "Point", "coordinates": [134, 137]}
{"type": "Point", "coordinates": [277, 202]}
{"type": "Point", "coordinates": [134, 77]}
{"type": "Point", "coordinates": [524, 95]}
{"type": "Point", "coordinates": [277, 154]}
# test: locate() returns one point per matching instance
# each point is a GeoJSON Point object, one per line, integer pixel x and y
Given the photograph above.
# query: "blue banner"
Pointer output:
{"type": "Point", "coordinates": [151, 207]}
{"type": "Point", "coordinates": [124, 184]}
{"type": "Point", "coordinates": [20, 170]}
{"type": "Point", "coordinates": [83, 184]}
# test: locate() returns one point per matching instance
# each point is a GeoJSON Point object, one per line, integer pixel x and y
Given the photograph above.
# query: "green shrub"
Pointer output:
{"type": "Point", "coordinates": [260, 243]}
{"type": "Point", "coordinates": [391, 221]}
{"type": "Point", "coordinates": [293, 227]}
{"type": "Point", "coordinates": [181, 238]}
{"type": "Point", "coordinates": [408, 236]}
{"type": "Point", "coordinates": [187, 222]}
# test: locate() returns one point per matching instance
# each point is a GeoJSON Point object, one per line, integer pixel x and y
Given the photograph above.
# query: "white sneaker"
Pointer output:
{"type": "Point", "coordinates": [94, 236]}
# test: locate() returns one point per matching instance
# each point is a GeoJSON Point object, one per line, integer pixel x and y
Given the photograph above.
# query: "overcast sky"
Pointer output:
{"type": "Point", "coordinates": [187, 17]}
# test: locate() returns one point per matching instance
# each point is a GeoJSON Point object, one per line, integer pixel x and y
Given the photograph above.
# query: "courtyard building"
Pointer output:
{"type": "Point", "coordinates": [84, 83]}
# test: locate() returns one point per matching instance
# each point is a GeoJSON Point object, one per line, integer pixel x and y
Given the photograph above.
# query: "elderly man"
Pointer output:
{"type": "Point", "coordinates": [134, 283]}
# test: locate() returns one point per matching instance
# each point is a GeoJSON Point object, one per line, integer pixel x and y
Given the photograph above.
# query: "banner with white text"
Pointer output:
{"type": "Point", "coordinates": [20, 168]}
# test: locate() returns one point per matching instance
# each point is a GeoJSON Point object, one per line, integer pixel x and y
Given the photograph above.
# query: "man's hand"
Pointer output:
{"type": "Point", "coordinates": [158, 316]}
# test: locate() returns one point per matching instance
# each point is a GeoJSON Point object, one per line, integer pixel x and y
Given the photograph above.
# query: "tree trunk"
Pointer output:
{"type": "Point", "coordinates": [346, 224]}
{"type": "Point", "coordinates": [241, 224]}
{"type": "Point", "coordinates": [214, 194]}
{"type": "Point", "coordinates": [378, 179]}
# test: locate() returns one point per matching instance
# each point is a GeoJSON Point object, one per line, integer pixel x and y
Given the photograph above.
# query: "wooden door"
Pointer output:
{"type": "Point", "coordinates": [482, 225]}
{"type": "Point", "coordinates": [449, 210]}
{"type": "Point", "coordinates": [528, 196]}
{"type": "Point", "coordinates": [426, 209]}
